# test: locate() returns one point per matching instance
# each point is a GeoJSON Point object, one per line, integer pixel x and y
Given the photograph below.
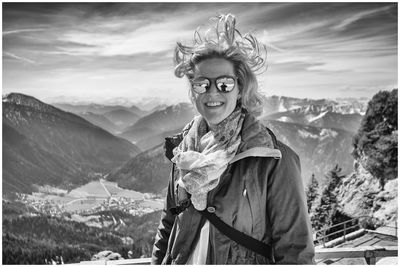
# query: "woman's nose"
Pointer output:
{"type": "Point", "coordinates": [213, 89]}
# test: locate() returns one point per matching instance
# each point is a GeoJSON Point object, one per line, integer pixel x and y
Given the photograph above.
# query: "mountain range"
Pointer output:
{"type": "Point", "coordinates": [320, 149]}
{"type": "Point", "coordinates": [320, 131]}
{"type": "Point", "coordinates": [163, 120]}
{"type": "Point", "coordinates": [319, 116]}
{"type": "Point", "coordinates": [97, 108]}
{"type": "Point", "coordinates": [101, 121]}
{"type": "Point", "coordinates": [123, 118]}
{"type": "Point", "coordinates": [275, 104]}
{"type": "Point", "coordinates": [45, 145]}
{"type": "Point", "coordinates": [152, 126]}
{"type": "Point", "coordinates": [111, 118]}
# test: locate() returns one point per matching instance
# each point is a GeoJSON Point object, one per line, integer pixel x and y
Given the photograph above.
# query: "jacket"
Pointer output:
{"type": "Point", "coordinates": [260, 194]}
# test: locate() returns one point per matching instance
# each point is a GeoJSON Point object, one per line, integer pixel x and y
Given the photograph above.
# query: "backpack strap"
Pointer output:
{"type": "Point", "coordinates": [247, 241]}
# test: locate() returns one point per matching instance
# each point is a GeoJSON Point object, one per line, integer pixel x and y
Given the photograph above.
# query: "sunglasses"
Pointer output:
{"type": "Point", "coordinates": [224, 84]}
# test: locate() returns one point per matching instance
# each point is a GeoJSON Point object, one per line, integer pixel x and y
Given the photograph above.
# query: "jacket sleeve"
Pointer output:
{"type": "Point", "coordinates": [287, 210]}
{"type": "Point", "coordinates": [165, 226]}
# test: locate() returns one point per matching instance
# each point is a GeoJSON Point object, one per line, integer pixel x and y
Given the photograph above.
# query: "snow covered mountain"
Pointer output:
{"type": "Point", "coordinates": [277, 104]}
{"type": "Point", "coordinates": [328, 116]}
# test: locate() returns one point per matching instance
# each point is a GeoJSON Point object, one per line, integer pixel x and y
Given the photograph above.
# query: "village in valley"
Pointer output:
{"type": "Point", "coordinates": [85, 203]}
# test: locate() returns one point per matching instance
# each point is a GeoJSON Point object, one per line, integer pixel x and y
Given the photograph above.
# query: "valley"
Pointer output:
{"type": "Point", "coordinates": [84, 201]}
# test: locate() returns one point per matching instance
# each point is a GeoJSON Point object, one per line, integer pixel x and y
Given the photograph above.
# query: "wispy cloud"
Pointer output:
{"type": "Point", "coordinates": [23, 59]}
{"type": "Point", "coordinates": [360, 15]}
{"type": "Point", "coordinates": [22, 31]}
{"type": "Point", "coordinates": [115, 48]}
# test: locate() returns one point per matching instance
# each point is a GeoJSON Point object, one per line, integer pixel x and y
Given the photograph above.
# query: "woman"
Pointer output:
{"type": "Point", "coordinates": [227, 166]}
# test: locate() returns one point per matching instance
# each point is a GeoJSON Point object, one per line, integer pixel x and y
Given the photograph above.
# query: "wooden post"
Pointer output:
{"type": "Point", "coordinates": [344, 233]}
{"type": "Point", "coordinates": [370, 258]}
{"type": "Point", "coordinates": [324, 237]}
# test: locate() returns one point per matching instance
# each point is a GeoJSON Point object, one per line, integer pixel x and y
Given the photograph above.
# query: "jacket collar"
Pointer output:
{"type": "Point", "coordinates": [257, 141]}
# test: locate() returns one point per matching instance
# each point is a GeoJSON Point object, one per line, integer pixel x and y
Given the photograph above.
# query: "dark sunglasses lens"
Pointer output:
{"type": "Point", "coordinates": [225, 84]}
{"type": "Point", "coordinates": [201, 86]}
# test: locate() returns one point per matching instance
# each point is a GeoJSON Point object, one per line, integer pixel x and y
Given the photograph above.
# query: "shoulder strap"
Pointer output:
{"type": "Point", "coordinates": [247, 241]}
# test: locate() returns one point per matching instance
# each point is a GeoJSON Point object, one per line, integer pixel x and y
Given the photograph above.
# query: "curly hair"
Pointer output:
{"type": "Point", "coordinates": [223, 40]}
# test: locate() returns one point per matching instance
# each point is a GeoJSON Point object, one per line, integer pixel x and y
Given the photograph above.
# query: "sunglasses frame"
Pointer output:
{"type": "Point", "coordinates": [214, 80]}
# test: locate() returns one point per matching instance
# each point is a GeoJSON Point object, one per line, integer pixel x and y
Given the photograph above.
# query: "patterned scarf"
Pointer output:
{"type": "Point", "coordinates": [203, 156]}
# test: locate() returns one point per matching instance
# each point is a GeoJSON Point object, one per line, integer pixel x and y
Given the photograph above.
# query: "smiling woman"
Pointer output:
{"type": "Point", "coordinates": [215, 103]}
{"type": "Point", "coordinates": [235, 194]}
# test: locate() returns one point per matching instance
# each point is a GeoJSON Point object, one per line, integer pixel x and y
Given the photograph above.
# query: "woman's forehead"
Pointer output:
{"type": "Point", "coordinates": [213, 68]}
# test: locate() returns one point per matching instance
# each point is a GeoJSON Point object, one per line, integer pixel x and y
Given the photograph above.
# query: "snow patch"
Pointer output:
{"type": "Point", "coordinates": [285, 119]}
{"type": "Point", "coordinates": [293, 107]}
{"type": "Point", "coordinates": [326, 133]}
{"type": "Point", "coordinates": [305, 134]}
{"type": "Point", "coordinates": [281, 107]}
{"type": "Point", "coordinates": [317, 117]}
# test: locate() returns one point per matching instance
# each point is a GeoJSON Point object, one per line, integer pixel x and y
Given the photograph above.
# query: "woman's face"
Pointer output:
{"type": "Point", "coordinates": [214, 105]}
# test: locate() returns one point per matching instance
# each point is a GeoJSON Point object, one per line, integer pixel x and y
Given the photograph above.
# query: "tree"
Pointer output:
{"type": "Point", "coordinates": [375, 144]}
{"type": "Point", "coordinates": [327, 206]}
{"type": "Point", "coordinates": [334, 178]}
{"type": "Point", "coordinates": [311, 192]}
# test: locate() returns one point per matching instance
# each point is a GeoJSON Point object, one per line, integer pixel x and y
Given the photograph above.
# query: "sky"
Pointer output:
{"type": "Point", "coordinates": [121, 53]}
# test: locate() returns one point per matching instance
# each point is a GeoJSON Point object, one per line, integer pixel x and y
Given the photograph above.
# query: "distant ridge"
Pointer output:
{"type": "Point", "coordinates": [101, 121]}
{"type": "Point", "coordinates": [147, 172]}
{"type": "Point", "coordinates": [326, 116]}
{"type": "Point", "coordinates": [45, 145]}
{"type": "Point", "coordinates": [163, 120]}
{"type": "Point", "coordinates": [319, 149]}
{"type": "Point", "coordinates": [277, 104]}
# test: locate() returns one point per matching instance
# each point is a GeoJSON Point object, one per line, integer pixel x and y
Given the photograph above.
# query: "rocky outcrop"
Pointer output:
{"type": "Point", "coordinates": [106, 255]}
{"type": "Point", "coordinates": [360, 195]}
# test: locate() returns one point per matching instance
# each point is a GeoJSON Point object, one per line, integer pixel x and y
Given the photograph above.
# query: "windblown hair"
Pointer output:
{"type": "Point", "coordinates": [223, 40]}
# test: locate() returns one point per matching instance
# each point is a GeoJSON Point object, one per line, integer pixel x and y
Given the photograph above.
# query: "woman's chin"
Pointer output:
{"type": "Point", "coordinates": [212, 121]}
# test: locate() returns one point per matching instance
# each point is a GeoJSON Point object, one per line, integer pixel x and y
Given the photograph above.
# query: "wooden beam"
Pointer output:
{"type": "Point", "coordinates": [370, 253]}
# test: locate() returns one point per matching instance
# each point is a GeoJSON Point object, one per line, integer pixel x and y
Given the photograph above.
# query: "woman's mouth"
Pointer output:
{"type": "Point", "coordinates": [214, 104]}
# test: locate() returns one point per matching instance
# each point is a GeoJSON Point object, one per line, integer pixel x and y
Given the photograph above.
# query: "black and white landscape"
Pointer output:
{"type": "Point", "coordinates": [50, 153]}
{"type": "Point", "coordinates": [46, 145]}
{"type": "Point", "coordinates": [89, 94]}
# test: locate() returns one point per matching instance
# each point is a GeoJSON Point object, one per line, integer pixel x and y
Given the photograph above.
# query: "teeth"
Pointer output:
{"type": "Point", "coordinates": [213, 104]}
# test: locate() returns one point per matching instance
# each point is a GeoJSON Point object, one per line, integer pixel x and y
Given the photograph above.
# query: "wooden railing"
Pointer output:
{"type": "Point", "coordinates": [140, 261]}
{"type": "Point", "coordinates": [349, 226]}
{"type": "Point", "coordinates": [370, 253]}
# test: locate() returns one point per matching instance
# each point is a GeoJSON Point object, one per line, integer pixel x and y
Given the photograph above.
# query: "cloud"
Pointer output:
{"type": "Point", "coordinates": [360, 15]}
{"type": "Point", "coordinates": [104, 49]}
{"type": "Point", "coordinates": [23, 59]}
{"type": "Point", "coordinates": [269, 41]}
{"type": "Point", "coordinates": [147, 36]}
{"type": "Point", "coordinates": [22, 31]}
